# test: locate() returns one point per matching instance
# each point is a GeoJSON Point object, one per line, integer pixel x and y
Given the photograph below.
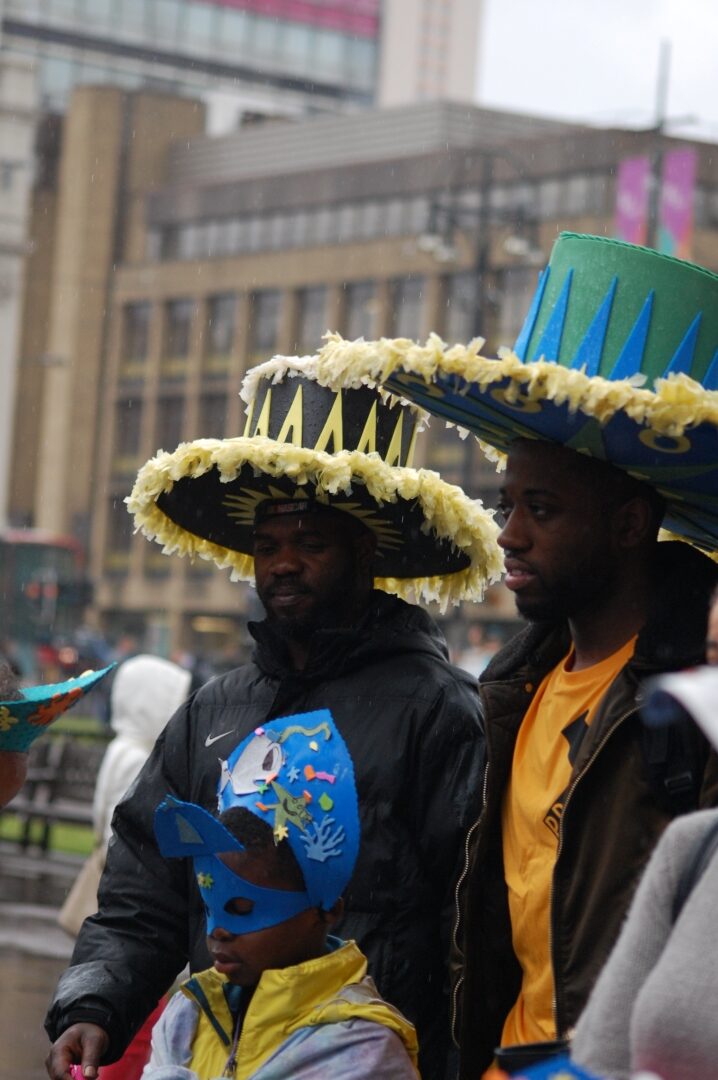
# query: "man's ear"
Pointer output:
{"type": "Point", "coordinates": [634, 522]}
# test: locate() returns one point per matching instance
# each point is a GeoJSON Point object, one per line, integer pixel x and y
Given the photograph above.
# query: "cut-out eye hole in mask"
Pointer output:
{"type": "Point", "coordinates": [184, 829]}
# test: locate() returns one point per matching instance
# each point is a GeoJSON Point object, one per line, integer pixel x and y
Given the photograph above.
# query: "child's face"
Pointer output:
{"type": "Point", "coordinates": [243, 957]}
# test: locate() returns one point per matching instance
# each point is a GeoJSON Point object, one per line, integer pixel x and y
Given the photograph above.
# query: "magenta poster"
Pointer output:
{"type": "Point", "coordinates": [675, 215]}
{"type": "Point", "coordinates": [632, 188]}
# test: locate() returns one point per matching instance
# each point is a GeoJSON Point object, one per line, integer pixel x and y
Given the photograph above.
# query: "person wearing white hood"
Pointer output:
{"type": "Point", "coordinates": [145, 693]}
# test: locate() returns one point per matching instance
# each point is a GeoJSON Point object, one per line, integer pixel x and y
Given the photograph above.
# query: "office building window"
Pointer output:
{"type": "Point", "coordinates": [178, 336]}
{"type": "Point", "coordinates": [57, 77]}
{"type": "Point", "coordinates": [219, 333]}
{"type": "Point", "coordinates": [133, 16]}
{"type": "Point", "coordinates": [170, 420]}
{"type": "Point", "coordinates": [135, 338]}
{"type": "Point", "coordinates": [264, 326]}
{"type": "Point", "coordinates": [234, 29]}
{"type": "Point", "coordinates": [212, 416]}
{"type": "Point", "coordinates": [119, 537]}
{"type": "Point", "coordinates": [461, 308]}
{"type": "Point", "coordinates": [407, 296]}
{"type": "Point", "coordinates": [201, 23]}
{"type": "Point", "coordinates": [128, 425]}
{"type": "Point", "coordinates": [360, 310]}
{"type": "Point", "coordinates": [166, 15]}
{"type": "Point", "coordinates": [312, 319]}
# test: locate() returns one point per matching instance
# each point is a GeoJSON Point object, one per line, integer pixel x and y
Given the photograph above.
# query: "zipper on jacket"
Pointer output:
{"type": "Point", "coordinates": [569, 793]}
{"type": "Point", "coordinates": [457, 920]}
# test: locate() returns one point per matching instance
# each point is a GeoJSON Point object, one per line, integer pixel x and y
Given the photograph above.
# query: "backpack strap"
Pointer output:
{"type": "Point", "coordinates": [695, 869]}
{"type": "Point", "coordinates": [675, 757]}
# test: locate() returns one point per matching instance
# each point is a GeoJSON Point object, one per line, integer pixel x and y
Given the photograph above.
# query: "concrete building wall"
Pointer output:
{"type": "Point", "coordinates": [429, 51]}
{"type": "Point", "coordinates": [142, 340]}
{"type": "Point", "coordinates": [111, 147]}
{"type": "Point", "coordinates": [17, 120]}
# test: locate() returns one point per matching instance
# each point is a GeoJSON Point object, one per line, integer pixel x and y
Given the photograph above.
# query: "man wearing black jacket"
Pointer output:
{"type": "Point", "coordinates": [410, 721]}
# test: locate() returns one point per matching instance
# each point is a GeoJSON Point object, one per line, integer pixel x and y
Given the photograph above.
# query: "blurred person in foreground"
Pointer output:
{"type": "Point", "coordinates": [607, 414]}
{"type": "Point", "coordinates": [328, 537]}
{"type": "Point", "coordinates": [25, 714]}
{"type": "Point", "coordinates": [655, 1004]}
{"type": "Point", "coordinates": [283, 998]}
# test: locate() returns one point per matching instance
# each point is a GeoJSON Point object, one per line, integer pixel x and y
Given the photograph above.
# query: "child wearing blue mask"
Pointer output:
{"type": "Point", "coordinates": [284, 997]}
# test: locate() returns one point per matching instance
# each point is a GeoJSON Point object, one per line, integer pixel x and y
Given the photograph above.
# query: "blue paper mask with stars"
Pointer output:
{"type": "Point", "coordinates": [297, 776]}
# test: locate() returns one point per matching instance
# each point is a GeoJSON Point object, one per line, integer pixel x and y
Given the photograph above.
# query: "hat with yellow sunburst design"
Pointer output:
{"type": "Point", "coordinates": [307, 447]}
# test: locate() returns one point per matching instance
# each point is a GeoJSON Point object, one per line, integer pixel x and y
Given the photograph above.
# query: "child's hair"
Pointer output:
{"type": "Point", "coordinates": [257, 837]}
{"type": "Point", "coordinates": [9, 689]}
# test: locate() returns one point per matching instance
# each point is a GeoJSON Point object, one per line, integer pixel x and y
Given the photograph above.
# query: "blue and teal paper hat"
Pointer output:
{"type": "Point", "coordinates": [24, 720]}
{"type": "Point", "coordinates": [617, 358]}
{"type": "Point", "coordinates": [297, 776]}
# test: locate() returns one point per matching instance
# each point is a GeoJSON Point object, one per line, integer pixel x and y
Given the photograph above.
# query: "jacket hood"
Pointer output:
{"type": "Point", "coordinates": [389, 627]}
{"type": "Point", "coordinates": [146, 691]}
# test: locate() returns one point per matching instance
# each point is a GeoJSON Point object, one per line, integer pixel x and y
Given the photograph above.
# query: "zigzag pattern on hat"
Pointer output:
{"type": "Point", "coordinates": [589, 353]}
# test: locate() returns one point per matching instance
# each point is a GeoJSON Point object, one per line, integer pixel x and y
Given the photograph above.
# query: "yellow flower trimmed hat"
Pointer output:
{"type": "Point", "coordinates": [306, 444]}
{"type": "Point", "coordinates": [617, 359]}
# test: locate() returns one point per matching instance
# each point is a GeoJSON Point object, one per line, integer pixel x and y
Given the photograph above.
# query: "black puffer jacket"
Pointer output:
{"type": "Point", "coordinates": [410, 721]}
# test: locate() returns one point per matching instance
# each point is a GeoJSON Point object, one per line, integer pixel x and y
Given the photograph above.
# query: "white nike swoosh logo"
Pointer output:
{"type": "Point", "coordinates": [213, 738]}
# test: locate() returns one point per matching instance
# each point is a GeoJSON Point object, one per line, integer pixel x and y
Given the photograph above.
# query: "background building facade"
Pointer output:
{"type": "Point", "coordinates": [178, 260]}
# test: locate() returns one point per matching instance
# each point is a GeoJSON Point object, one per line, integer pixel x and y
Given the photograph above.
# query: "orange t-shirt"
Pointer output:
{"type": "Point", "coordinates": [546, 748]}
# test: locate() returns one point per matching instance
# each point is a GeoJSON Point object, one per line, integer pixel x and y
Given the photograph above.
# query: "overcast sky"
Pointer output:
{"type": "Point", "coordinates": [598, 60]}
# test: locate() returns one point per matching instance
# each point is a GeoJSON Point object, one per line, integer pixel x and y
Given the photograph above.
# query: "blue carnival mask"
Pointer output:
{"type": "Point", "coordinates": [297, 776]}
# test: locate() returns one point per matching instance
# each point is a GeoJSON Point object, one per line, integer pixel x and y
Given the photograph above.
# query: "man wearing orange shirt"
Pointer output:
{"type": "Point", "coordinates": [606, 412]}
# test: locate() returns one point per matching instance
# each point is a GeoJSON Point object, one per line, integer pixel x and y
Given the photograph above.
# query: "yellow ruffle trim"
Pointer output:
{"type": "Point", "coordinates": [447, 510]}
{"type": "Point", "coordinates": [676, 402]}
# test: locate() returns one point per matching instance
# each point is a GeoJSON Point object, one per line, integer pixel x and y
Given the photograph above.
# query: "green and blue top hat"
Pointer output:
{"type": "Point", "coordinates": [617, 358]}
{"type": "Point", "coordinates": [24, 720]}
{"type": "Point", "coordinates": [297, 776]}
{"type": "Point", "coordinates": [308, 446]}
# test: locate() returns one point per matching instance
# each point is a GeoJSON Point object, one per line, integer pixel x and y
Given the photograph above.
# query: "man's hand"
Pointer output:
{"type": "Point", "coordinates": [82, 1044]}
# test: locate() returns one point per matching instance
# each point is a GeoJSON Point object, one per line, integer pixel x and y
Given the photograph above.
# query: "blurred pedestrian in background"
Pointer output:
{"type": "Point", "coordinates": [146, 691]}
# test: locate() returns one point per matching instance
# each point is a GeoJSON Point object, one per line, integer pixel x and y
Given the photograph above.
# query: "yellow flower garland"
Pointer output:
{"type": "Point", "coordinates": [676, 403]}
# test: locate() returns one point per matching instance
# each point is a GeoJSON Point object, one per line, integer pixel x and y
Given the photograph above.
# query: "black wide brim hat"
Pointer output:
{"type": "Point", "coordinates": [345, 450]}
{"type": "Point", "coordinates": [617, 359]}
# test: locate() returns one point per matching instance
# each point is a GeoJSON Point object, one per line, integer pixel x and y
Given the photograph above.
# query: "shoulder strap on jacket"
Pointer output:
{"type": "Point", "coordinates": [675, 758]}
{"type": "Point", "coordinates": [695, 869]}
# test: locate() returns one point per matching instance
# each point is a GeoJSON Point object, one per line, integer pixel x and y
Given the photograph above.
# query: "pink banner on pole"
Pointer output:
{"type": "Point", "coordinates": [632, 188]}
{"type": "Point", "coordinates": [675, 215]}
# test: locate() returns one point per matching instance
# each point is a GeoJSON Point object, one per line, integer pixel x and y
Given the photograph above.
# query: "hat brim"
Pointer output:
{"type": "Point", "coordinates": [667, 436]}
{"type": "Point", "coordinates": [25, 719]}
{"type": "Point", "coordinates": [433, 542]}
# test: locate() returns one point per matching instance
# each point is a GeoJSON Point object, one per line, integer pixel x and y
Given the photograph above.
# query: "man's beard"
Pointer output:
{"type": "Point", "coordinates": [569, 597]}
{"type": "Point", "coordinates": [333, 608]}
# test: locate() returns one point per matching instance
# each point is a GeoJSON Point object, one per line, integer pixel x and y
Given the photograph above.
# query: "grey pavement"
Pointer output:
{"type": "Point", "coordinates": [33, 952]}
